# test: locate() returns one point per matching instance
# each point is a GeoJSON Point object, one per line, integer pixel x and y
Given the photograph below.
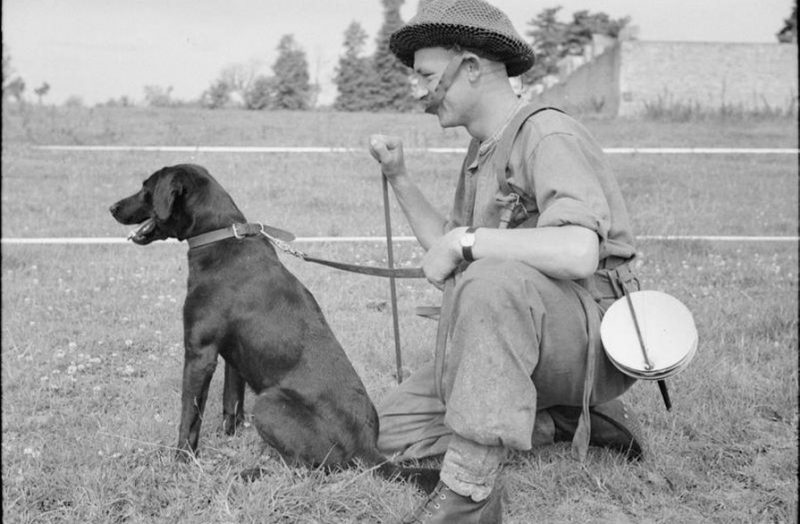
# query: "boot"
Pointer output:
{"type": "Point", "coordinates": [445, 506]}
{"type": "Point", "coordinates": [614, 426]}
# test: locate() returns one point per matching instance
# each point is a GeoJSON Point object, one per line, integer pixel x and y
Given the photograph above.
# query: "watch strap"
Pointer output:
{"type": "Point", "coordinates": [466, 251]}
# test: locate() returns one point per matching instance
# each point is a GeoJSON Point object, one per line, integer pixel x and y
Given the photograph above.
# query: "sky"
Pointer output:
{"type": "Point", "coordinates": [103, 49]}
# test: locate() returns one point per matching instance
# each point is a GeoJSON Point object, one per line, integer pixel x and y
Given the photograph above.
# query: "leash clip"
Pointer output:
{"type": "Point", "coordinates": [280, 244]}
{"type": "Point", "coordinates": [240, 236]}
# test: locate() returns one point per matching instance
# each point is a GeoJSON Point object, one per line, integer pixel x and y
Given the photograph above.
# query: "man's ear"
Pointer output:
{"type": "Point", "coordinates": [473, 65]}
{"type": "Point", "coordinates": [168, 189]}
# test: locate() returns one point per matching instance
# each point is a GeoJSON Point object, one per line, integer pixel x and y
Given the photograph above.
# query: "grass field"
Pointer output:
{"type": "Point", "coordinates": [92, 337]}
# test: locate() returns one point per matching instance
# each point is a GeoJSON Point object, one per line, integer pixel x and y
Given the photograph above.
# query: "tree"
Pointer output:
{"type": "Point", "coordinates": [259, 96]}
{"type": "Point", "coordinates": [232, 86]}
{"type": "Point", "coordinates": [554, 40]}
{"type": "Point", "coordinates": [122, 101]}
{"type": "Point", "coordinates": [74, 101]}
{"type": "Point", "coordinates": [788, 34]}
{"type": "Point", "coordinates": [291, 82]}
{"type": "Point", "coordinates": [549, 39]}
{"type": "Point", "coordinates": [216, 96]}
{"type": "Point", "coordinates": [157, 96]}
{"type": "Point", "coordinates": [355, 77]}
{"type": "Point", "coordinates": [12, 87]}
{"type": "Point", "coordinates": [7, 69]}
{"type": "Point", "coordinates": [239, 78]}
{"type": "Point", "coordinates": [393, 85]}
{"type": "Point", "coordinates": [585, 24]}
{"type": "Point", "coordinates": [41, 91]}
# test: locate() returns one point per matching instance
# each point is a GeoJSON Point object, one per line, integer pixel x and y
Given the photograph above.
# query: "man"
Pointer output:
{"type": "Point", "coordinates": [517, 359]}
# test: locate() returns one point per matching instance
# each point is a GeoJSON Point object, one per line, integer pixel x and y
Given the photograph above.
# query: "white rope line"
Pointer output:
{"type": "Point", "coordinates": [314, 240]}
{"type": "Point", "coordinates": [700, 151]}
{"type": "Point", "coordinates": [435, 150]}
{"type": "Point", "coordinates": [720, 238]}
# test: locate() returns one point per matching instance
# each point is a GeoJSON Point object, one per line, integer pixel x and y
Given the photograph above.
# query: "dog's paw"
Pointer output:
{"type": "Point", "coordinates": [232, 424]}
{"type": "Point", "coordinates": [185, 455]}
{"type": "Point", "coordinates": [229, 425]}
{"type": "Point", "coordinates": [251, 474]}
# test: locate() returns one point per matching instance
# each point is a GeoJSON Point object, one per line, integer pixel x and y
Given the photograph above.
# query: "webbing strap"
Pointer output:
{"type": "Point", "coordinates": [581, 438]}
{"type": "Point", "coordinates": [442, 334]}
{"type": "Point", "coordinates": [501, 156]}
{"type": "Point", "coordinates": [434, 100]}
{"type": "Point", "coordinates": [502, 153]}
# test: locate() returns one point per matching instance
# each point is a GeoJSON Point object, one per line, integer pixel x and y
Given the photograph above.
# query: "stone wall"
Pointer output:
{"type": "Point", "coordinates": [750, 77]}
{"type": "Point", "coordinates": [591, 88]}
{"type": "Point", "coordinates": [634, 77]}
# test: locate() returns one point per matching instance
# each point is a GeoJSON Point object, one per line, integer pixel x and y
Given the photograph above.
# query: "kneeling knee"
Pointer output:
{"type": "Point", "coordinates": [486, 281]}
{"type": "Point", "coordinates": [491, 275]}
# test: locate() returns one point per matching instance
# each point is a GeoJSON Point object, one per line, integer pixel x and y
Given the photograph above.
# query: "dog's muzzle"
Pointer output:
{"type": "Point", "coordinates": [140, 233]}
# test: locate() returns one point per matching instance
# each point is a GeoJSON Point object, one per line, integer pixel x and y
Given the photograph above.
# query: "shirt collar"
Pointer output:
{"type": "Point", "coordinates": [488, 144]}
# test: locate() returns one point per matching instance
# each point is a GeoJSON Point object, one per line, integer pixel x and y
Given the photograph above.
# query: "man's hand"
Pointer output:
{"type": "Point", "coordinates": [443, 257]}
{"type": "Point", "coordinates": [388, 151]}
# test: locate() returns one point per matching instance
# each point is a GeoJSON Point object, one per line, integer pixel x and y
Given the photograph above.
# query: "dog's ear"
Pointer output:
{"type": "Point", "coordinates": [168, 189]}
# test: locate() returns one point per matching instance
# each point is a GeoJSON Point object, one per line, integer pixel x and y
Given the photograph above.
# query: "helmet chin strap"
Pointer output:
{"type": "Point", "coordinates": [432, 101]}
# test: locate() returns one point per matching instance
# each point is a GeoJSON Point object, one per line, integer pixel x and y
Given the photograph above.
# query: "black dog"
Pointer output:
{"type": "Point", "coordinates": [243, 304]}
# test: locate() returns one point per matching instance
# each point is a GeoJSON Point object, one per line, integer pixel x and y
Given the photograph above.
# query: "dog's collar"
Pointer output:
{"type": "Point", "coordinates": [239, 231]}
{"type": "Point", "coordinates": [281, 239]}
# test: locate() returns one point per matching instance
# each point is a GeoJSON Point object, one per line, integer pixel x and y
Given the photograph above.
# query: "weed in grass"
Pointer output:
{"type": "Point", "coordinates": [666, 107]}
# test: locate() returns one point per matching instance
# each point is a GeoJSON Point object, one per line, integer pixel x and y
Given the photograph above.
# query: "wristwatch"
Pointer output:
{"type": "Point", "coordinates": [467, 241]}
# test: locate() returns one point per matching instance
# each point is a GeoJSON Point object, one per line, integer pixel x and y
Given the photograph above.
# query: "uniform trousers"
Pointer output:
{"type": "Point", "coordinates": [517, 345]}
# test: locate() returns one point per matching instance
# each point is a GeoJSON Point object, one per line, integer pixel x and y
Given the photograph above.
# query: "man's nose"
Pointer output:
{"type": "Point", "coordinates": [417, 90]}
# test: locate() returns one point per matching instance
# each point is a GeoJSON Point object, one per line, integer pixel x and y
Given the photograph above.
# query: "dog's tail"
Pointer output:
{"type": "Point", "coordinates": [425, 478]}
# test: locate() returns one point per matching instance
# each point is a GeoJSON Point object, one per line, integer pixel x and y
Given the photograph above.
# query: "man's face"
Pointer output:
{"type": "Point", "coordinates": [429, 65]}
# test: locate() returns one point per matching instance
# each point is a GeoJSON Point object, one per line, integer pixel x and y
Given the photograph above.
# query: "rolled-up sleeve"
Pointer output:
{"type": "Point", "coordinates": [568, 190]}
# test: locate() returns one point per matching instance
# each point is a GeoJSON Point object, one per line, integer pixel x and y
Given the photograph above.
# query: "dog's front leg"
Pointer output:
{"type": "Point", "coordinates": [232, 400]}
{"type": "Point", "coordinates": [198, 368]}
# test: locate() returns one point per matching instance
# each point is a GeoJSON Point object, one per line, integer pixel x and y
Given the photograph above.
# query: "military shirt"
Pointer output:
{"type": "Point", "coordinates": [555, 160]}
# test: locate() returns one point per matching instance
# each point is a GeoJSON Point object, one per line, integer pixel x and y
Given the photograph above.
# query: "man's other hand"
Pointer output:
{"type": "Point", "coordinates": [443, 257]}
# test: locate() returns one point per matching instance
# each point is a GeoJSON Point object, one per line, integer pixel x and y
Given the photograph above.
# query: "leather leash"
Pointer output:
{"type": "Point", "coordinates": [392, 287]}
{"type": "Point", "coordinates": [281, 239]}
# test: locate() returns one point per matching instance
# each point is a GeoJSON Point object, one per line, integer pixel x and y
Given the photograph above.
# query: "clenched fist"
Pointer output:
{"type": "Point", "coordinates": [388, 151]}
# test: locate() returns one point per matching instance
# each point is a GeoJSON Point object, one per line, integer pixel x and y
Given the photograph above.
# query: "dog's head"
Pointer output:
{"type": "Point", "coordinates": [174, 202]}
